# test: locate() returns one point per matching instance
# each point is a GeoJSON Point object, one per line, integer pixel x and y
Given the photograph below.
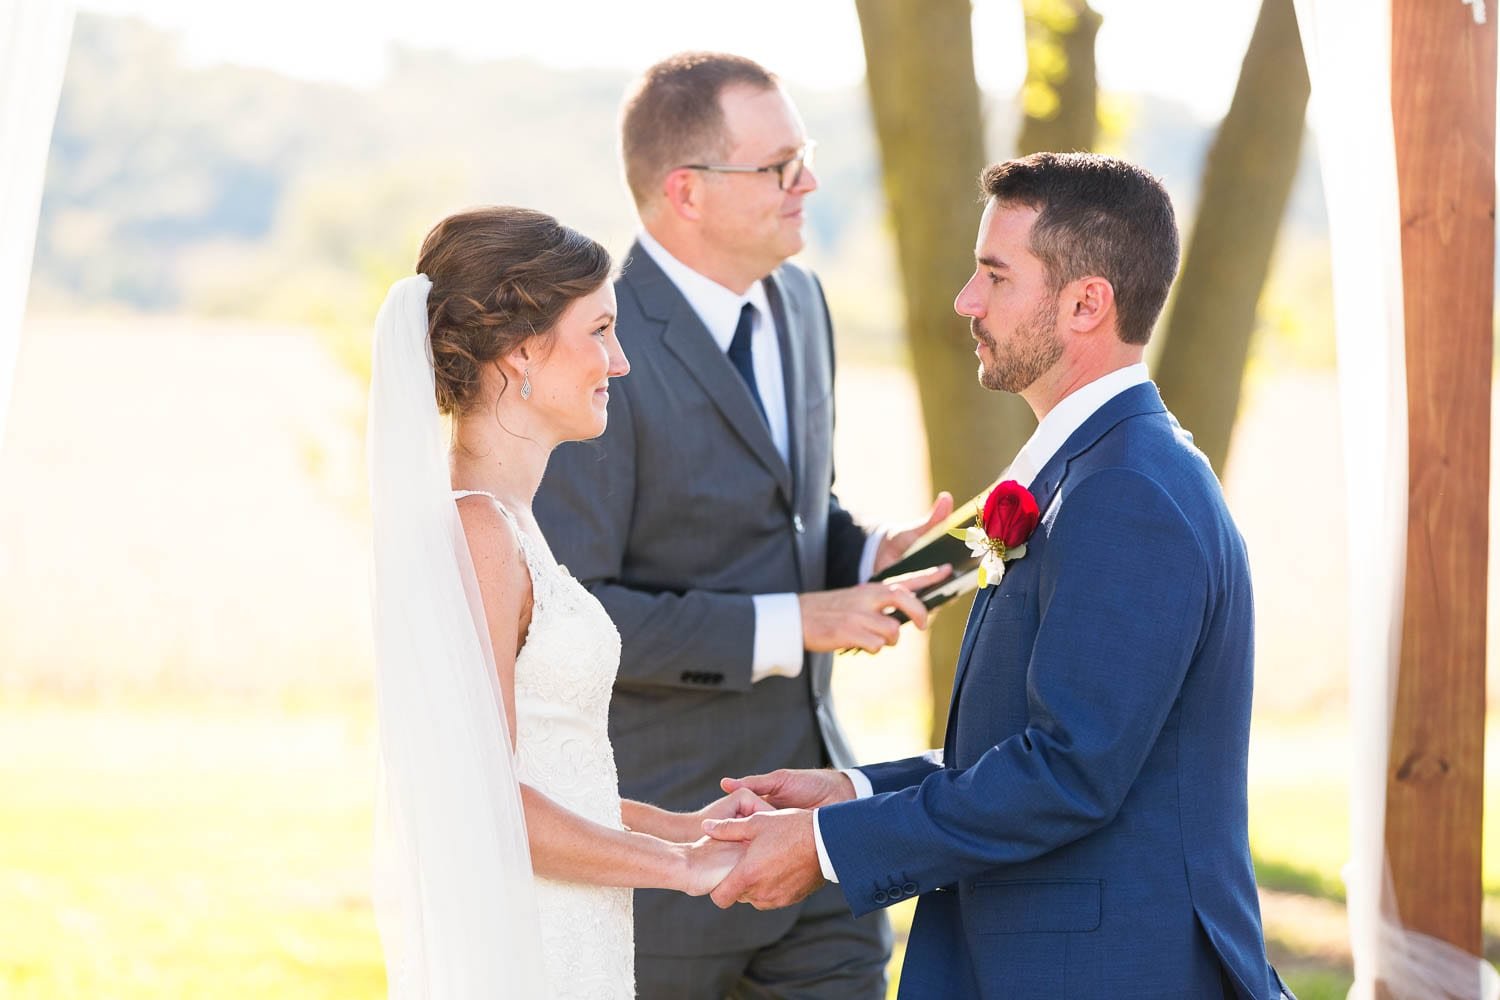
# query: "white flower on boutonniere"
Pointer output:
{"type": "Point", "coordinates": [1000, 531]}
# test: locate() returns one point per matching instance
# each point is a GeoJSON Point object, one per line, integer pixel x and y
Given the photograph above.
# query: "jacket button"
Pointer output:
{"type": "Point", "coordinates": [881, 898]}
{"type": "Point", "coordinates": [910, 888]}
{"type": "Point", "coordinates": [797, 525]}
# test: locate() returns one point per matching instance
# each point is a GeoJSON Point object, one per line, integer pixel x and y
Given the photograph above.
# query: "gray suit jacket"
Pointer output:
{"type": "Point", "coordinates": [673, 518]}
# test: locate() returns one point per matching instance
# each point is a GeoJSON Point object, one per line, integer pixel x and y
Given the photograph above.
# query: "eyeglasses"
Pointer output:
{"type": "Point", "coordinates": [788, 172]}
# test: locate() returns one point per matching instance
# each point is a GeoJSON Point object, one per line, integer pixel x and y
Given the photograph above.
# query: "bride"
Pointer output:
{"type": "Point", "coordinates": [505, 856]}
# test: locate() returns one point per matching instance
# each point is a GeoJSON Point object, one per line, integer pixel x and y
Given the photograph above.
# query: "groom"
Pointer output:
{"type": "Point", "coordinates": [1083, 833]}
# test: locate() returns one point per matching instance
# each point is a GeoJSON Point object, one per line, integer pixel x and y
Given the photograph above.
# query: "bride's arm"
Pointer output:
{"type": "Point", "coordinates": [688, 827]}
{"type": "Point", "coordinates": [563, 844]}
{"type": "Point", "coordinates": [568, 847]}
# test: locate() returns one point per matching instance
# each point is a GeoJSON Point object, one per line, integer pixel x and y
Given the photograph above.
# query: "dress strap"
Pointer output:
{"type": "Point", "coordinates": [460, 494]}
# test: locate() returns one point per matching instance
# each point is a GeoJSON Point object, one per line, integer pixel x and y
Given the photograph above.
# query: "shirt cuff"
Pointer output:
{"type": "Point", "coordinates": [862, 790]}
{"type": "Point", "coordinates": [778, 637]}
{"type": "Point", "coordinates": [862, 787]}
{"type": "Point", "coordinates": [867, 557]}
{"type": "Point", "coordinates": [823, 861]}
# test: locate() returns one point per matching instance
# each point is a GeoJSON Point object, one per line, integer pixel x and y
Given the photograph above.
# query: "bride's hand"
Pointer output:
{"type": "Point", "coordinates": [738, 803]}
{"type": "Point", "coordinates": [708, 861]}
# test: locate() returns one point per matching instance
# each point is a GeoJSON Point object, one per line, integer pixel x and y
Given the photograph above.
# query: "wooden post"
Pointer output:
{"type": "Point", "coordinates": [1443, 102]}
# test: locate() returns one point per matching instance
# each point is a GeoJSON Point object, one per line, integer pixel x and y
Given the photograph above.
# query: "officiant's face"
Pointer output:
{"type": "Point", "coordinates": [570, 378]}
{"type": "Point", "coordinates": [748, 215]}
{"type": "Point", "coordinates": [1011, 306]}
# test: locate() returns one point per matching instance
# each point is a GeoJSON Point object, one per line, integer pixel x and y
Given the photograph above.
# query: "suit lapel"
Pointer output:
{"type": "Point", "coordinates": [1044, 488]}
{"type": "Point", "coordinates": [1132, 402]}
{"type": "Point", "coordinates": [787, 312]}
{"type": "Point", "coordinates": [689, 340]}
{"type": "Point", "coordinates": [971, 629]}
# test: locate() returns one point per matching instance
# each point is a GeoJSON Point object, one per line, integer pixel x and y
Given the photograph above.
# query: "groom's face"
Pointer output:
{"type": "Point", "coordinates": [1011, 307]}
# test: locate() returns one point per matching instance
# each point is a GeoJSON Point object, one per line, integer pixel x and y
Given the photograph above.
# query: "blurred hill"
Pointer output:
{"type": "Point", "coordinates": [233, 191]}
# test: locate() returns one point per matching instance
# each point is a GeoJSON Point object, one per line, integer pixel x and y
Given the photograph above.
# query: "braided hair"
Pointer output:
{"type": "Point", "coordinates": [500, 276]}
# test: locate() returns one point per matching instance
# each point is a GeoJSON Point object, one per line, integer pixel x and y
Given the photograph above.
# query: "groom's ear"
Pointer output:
{"type": "Point", "coordinates": [682, 191]}
{"type": "Point", "coordinates": [1088, 303]}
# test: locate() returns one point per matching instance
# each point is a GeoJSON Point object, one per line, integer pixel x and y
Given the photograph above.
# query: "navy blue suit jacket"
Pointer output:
{"type": "Point", "coordinates": [1086, 833]}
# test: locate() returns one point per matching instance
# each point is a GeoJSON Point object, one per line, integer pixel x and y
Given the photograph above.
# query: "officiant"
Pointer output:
{"type": "Point", "coordinates": [704, 518]}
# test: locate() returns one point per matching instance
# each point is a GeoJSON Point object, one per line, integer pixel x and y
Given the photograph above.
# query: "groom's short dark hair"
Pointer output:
{"type": "Point", "coordinates": [672, 115]}
{"type": "Point", "coordinates": [1098, 215]}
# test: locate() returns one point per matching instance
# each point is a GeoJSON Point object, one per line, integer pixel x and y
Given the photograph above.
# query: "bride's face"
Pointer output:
{"type": "Point", "coordinates": [570, 380]}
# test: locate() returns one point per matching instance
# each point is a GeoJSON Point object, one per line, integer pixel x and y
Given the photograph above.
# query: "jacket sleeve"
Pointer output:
{"type": "Point", "coordinates": [1124, 585]}
{"type": "Point", "coordinates": [894, 775]}
{"type": "Point", "coordinates": [692, 639]}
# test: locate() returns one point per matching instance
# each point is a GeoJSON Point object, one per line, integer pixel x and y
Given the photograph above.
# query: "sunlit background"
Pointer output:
{"type": "Point", "coordinates": [186, 746]}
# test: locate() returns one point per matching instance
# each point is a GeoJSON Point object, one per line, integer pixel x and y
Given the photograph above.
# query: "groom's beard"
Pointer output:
{"type": "Point", "coordinates": [1028, 353]}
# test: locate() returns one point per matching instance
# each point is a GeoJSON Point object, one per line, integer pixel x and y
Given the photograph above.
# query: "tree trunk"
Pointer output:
{"type": "Point", "coordinates": [1060, 98]}
{"type": "Point", "coordinates": [1246, 183]}
{"type": "Point", "coordinates": [929, 126]}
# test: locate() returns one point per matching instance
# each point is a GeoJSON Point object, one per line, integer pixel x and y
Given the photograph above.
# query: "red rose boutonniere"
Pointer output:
{"type": "Point", "coordinates": [1000, 530]}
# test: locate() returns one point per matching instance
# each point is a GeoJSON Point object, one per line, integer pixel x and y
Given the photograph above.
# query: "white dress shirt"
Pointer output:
{"type": "Point", "coordinates": [778, 617]}
{"type": "Point", "coordinates": [1050, 435]}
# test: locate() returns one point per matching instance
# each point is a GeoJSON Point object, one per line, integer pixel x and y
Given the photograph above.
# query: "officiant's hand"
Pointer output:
{"type": "Point", "coordinates": [856, 618]}
{"type": "Point", "coordinates": [780, 866]}
{"type": "Point", "coordinates": [901, 538]}
{"type": "Point", "coordinates": [788, 788]}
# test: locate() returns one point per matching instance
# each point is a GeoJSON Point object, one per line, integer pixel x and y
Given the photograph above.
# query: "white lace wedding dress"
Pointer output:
{"type": "Point", "coordinates": [565, 672]}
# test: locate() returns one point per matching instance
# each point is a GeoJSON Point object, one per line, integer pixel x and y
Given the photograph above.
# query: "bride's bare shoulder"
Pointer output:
{"type": "Point", "coordinates": [493, 545]}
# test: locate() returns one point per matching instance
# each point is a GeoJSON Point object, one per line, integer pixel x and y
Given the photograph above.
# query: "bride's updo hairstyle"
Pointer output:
{"type": "Point", "coordinates": [500, 276]}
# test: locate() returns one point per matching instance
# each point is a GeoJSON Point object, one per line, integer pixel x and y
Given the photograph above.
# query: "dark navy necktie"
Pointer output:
{"type": "Point", "coordinates": [739, 355]}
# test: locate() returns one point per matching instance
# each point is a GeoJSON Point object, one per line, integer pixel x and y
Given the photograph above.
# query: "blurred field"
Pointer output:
{"type": "Point", "coordinates": [167, 852]}
{"type": "Point", "coordinates": [181, 514]}
{"type": "Point", "coordinates": [186, 759]}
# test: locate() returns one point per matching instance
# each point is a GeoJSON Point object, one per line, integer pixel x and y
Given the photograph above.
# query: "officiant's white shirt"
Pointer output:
{"type": "Point", "coordinates": [1050, 435]}
{"type": "Point", "coordinates": [778, 617]}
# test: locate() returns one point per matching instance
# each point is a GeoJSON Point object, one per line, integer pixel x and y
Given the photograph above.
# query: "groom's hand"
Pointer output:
{"type": "Point", "coordinates": [896, 542]}
{"type": "Point", "coordinates": [780, 866]}
{"type": "Point", "coordinates": [788, 788]}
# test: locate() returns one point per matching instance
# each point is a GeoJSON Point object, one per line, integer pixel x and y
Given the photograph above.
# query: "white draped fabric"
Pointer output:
{"type": "Point", "coordinates": [454, 897]}
{"type": "Point", "coordinates": [1348, 48]}
{"type": "Point", "coordinates": [34, 38]}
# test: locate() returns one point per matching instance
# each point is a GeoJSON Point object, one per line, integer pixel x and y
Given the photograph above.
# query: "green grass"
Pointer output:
{"type": "Point", "coordinates": [1299, 808]}
{"type": "Point", "coordinates": [1319, 984]}
{"type": "Point", "coordinates": [199, 858]}
{"type": "Point", "coordinates": [1285, 876]}
{"type": "Point", "coordinates": [224, 852]}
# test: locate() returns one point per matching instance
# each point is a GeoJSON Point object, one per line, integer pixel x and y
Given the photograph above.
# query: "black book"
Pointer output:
{"type": "Point", "coordinates": [939, 547]}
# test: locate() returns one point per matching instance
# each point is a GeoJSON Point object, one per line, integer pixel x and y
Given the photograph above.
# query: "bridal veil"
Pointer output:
{"type": "Point", "coordinates": [454, 898]}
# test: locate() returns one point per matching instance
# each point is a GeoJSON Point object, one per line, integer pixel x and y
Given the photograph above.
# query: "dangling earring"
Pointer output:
{"type": "Point", "coordinates": [526, 384]}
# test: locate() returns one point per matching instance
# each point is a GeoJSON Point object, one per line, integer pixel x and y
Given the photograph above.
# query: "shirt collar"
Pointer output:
{"type": "Point", "coordinates": [718, 307]}
{"type": "Point", "coordinates": [1069, 415]}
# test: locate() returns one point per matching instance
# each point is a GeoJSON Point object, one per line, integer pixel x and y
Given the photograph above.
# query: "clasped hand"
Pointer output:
{"type": "Point", "coordinates": [708, 860]}
{"type": "Point", "coordinates": [779, 864]}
